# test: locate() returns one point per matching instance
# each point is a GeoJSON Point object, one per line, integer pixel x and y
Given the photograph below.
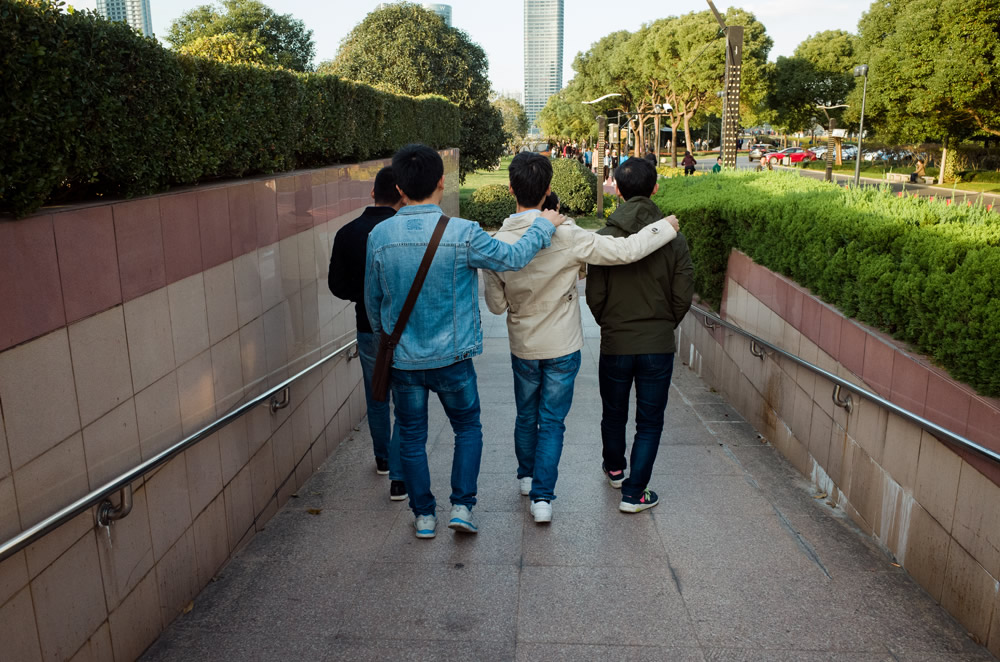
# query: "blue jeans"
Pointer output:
{"type": "Point", "coordinates": [384, 444]}
{"type": "Point", "coordinates": [543, 391]}
{"type": "Point", "coordinates": [456, 388]}
{"type": "Point", "coordinates": [651, 373]}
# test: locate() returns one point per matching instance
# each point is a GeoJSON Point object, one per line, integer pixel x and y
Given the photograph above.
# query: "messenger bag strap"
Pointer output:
{"type": "Point", "coordinates": [418, 281]}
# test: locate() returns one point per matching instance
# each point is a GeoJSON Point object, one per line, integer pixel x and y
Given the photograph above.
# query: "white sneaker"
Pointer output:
{"type": "Point", "coordinates": [525, 485]}
{"type": "Point", "coordinates": [541, 511]}
{"type": "Point", "coordinates": [425, 525]}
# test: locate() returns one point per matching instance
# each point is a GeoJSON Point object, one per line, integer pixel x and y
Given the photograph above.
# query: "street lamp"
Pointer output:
{"type": "Point", "coordinates": [658, 110]}
{"type": "Point", "coordinates": [860, 70]}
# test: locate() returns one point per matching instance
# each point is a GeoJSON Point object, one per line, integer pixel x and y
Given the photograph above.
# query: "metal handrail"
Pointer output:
{"type": "Point", "coordinates": [107, 512]}
{"type": "Point", "coordinates": [841, 384]}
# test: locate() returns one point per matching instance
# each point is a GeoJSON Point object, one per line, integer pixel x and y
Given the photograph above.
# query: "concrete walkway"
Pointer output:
{"type": "Point", "coordinates": [738, 562]}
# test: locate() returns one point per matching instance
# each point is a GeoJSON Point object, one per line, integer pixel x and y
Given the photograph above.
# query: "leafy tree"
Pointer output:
{"type": "Point", "coordinates": [284, 38]}
{"type": "Point", "coordinates": [564, 117]}
{"type": "Point", "coordinates": [231, 48]}
{"type": "Point", "coordinates": [934, 69]}
{"type": "Point", "coordinates": [818, 74]}
{"type": "Point", "coordinates": [515, 120]}
{"type": "Point", "coordinates": [409, 49]}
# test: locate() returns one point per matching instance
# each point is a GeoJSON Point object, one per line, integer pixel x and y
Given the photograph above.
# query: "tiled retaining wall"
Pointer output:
{"type": "Point", "coordinates": [935, 509]}
{"type": "Point", "coordinates": [125, 326]}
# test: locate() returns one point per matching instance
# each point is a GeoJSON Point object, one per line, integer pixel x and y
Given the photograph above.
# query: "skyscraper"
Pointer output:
{"type": "Point", "coordinates": [444, 11]}
{"type": "Point", "coordinates": [134, 12]}
{"type": "Point", "coordinates": [543, 54]}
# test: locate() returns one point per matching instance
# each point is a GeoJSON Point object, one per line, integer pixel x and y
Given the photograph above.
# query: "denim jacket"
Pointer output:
{"type": "Point", "coordinates": [444, 327]}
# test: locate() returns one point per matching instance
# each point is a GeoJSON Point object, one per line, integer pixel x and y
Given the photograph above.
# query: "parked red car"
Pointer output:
{"type": "Point", "coordinates": [794, 154]}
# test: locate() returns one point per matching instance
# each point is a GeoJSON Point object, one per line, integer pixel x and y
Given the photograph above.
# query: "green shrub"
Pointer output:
{"type": "Point", "coordinates": [610, 205]}
{"type": "Point", "coordinates": [489, 205]}
{"type": "Point", "coordinates": [984, 176]}
{"type": "Point", "coordinates": [922, 271]}
{"type": "Point", "coordinates": [575, 185]}
{"type": "Point", "coordinates": [92, 108]}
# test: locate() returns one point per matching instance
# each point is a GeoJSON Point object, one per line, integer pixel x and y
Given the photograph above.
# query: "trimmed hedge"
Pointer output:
{"type": "Point", "coordinates": [926, 272]}
{"type": "Point", "coordinates": [92, 108]}
{"type": "Point", "coordinates": [489, 205]}
{"type": "Point", "coordinates": [575, 185]}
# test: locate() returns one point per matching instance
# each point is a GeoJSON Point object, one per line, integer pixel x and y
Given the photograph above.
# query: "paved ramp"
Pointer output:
{"type": "Point", "coordinates": [738, 562]}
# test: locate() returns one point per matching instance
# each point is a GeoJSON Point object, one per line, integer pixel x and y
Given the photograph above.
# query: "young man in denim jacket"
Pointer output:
{"type": "Point", "coordinates": [444, 331]}
{"type": "Point", "coordinates": [543, 322]}
{"type": "Point", "coordinates": [347, 281]}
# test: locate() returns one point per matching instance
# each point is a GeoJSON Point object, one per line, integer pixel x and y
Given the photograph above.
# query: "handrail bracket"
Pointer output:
{"type": "Point", "coordinates": [847, 403]}
{"type": "Point", "coordinates": [277, 404]}
{"type": "Point", "coordinates": [756, 350]}
{"type": "Point", "coordinates": [108, 513]}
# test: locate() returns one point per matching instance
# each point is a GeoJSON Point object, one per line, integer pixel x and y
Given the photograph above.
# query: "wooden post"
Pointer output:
{"type": "Point", "coordinates": [601, 128]}
{"type": "Point", "coordinates": [731, 96]}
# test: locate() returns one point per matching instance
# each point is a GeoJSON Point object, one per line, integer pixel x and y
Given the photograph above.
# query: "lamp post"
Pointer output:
{"type": "Point", "coordinates": [657, 111]}
{"type": "Point", "coordinates": [860, 70]}
{"type": "Point", "coordinates": [601, 127]}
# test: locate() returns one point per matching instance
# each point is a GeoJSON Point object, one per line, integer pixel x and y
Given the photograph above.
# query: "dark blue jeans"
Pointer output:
{"type": "Point", "coordinates": [543, 391]}
{"type": "Point", "coordinates": [385, 446]}
{"type": "Point", "coordinates": [651, 373]}
{"type": "Point", "coordinates": [456, 388]}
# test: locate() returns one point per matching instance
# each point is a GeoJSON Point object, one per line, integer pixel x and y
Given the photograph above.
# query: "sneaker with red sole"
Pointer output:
{"type": "Point", "coordinates": [616, 478]}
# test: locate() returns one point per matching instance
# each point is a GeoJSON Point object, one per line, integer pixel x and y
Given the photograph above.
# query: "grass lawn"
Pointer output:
{"type": "Point", "coordinates": [879, 172]}
{"type": "Point", "coordinates": [484, 177]}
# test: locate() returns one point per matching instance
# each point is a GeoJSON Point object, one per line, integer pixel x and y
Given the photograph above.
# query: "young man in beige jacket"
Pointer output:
{"type": "Point", "coordinates": [543, 322]}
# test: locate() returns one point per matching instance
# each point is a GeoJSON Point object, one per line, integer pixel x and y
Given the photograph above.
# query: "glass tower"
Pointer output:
{"type": "Point", "coordinates": [444, 11]}
{"type": "Point", "coordinates": [134, 12]}
{"type": "Point", "coordinates": [543, 54]}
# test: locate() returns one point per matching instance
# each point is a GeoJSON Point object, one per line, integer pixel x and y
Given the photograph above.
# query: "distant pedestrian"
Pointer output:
{"type": "Point", "coordinates": [688, 163]}
{"type": "Point", "coordinates": [718, 165]}
{"type": "Point", "coordinates": [917, 177]}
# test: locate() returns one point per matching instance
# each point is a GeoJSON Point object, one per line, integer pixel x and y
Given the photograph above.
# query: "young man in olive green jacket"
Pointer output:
{"type": "Point", "coordinates": [638, 306]}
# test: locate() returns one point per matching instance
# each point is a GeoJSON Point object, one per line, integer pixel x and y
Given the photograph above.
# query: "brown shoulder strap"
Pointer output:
{"type": "Point", "coordinates": [418, 281]}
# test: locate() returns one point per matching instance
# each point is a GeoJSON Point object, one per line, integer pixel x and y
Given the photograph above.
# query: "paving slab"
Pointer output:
{"type": "Point", "coordinates": [739, 562]}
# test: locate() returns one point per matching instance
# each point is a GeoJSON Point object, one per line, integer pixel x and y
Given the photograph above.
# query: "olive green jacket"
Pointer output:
{"type": "Point", "coordinates": [639, 305]}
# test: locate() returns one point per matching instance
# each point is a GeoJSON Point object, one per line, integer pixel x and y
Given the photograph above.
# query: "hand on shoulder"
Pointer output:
{"type": "Point", "coordinates": [553, 217]}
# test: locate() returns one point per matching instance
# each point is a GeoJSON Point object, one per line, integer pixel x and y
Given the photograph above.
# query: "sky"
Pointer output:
{"type": "Point", "coordinates": [497, 26]}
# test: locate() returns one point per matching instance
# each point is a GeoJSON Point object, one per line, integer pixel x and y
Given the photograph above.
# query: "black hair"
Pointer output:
{"type": "Point", "coordinates": [530, 176]}
{"type": "Point", "coordinates": [417, 169]}
{"type": "Point", "coordinates": [551, 202]}
{"type": "Point", "coordinates": [635, 177]}
{"type": "Point", "coordinates": [384, 189]}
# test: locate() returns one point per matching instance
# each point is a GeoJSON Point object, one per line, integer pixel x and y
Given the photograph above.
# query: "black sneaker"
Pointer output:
{"type": "Point", "coordinates": [647, 499]}
{"type": "Point", "coordinates": [381, 466]}
{"type": "Point", "coordinates": [616, 478]}
{"type": "Point", "coordinates": [397, 490]}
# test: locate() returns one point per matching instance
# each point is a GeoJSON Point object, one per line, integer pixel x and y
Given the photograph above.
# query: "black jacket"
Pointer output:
{"type": "Point", "coordinates": [639, 305]}
{"type": "Point", "coordinates": [347, 261]}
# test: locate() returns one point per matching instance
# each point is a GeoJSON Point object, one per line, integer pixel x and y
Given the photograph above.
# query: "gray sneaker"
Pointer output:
{"type": "Point", "coordinates": [462, 520]}
{"type": "Point", "coordinates": [425, 525]}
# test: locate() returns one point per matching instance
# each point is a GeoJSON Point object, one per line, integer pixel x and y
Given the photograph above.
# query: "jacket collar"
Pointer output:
{"type": "Point", "coordinates": [419, 209]}
{"type": "Point", "coordinates": [520, 220]}
{"type": "Point", "coordinates": [635, 214]}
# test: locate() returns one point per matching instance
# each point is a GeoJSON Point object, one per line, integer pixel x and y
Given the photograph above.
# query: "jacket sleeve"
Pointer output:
{"type": "Point", "coordinates": [373, 290]}
{"type": "Point", "coordinates": [343, 283]}
{"type": "Point", "coordinates": [485, 252]}
{"type": "Point", "coordinates": [597, 290]}
{"type": "Point", "coordinates": [682, 283]}
{"type": "Point", "coordinates": [594, 248]}
{"type": "Point", "coordinates": [493, 291]}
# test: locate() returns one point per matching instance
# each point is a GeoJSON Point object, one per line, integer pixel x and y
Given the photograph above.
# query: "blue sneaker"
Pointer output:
{"type": "Point", "coordinates": [425, 525]}
{"type": "Point", "coordinates": [462, 520]}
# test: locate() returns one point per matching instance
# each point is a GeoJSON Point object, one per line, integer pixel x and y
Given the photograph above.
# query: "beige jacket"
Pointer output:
{"type": "Point", "coordinates": [543, 319]}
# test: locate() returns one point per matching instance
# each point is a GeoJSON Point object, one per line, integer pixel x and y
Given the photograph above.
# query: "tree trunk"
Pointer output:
{"type": "Point", "coordinates": [687, 134]}
{"type": "Point", "coordinates": [944, 161]}
{"type": "Point", "coordinates": [673, 144]}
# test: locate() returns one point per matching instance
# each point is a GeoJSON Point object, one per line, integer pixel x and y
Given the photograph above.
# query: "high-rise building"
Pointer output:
{"type": "Point", "coordinates": [543, 54]}
{"type": "Point", "coordinates": [444, 11]}
{"type": "Point", "coordinates": [134, 12]}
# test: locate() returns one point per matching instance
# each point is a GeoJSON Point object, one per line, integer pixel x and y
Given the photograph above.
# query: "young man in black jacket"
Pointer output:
{"type": "Point", "coordinates": [638, 306]}
{"type": "Point", "coordinates": [347, 281]}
